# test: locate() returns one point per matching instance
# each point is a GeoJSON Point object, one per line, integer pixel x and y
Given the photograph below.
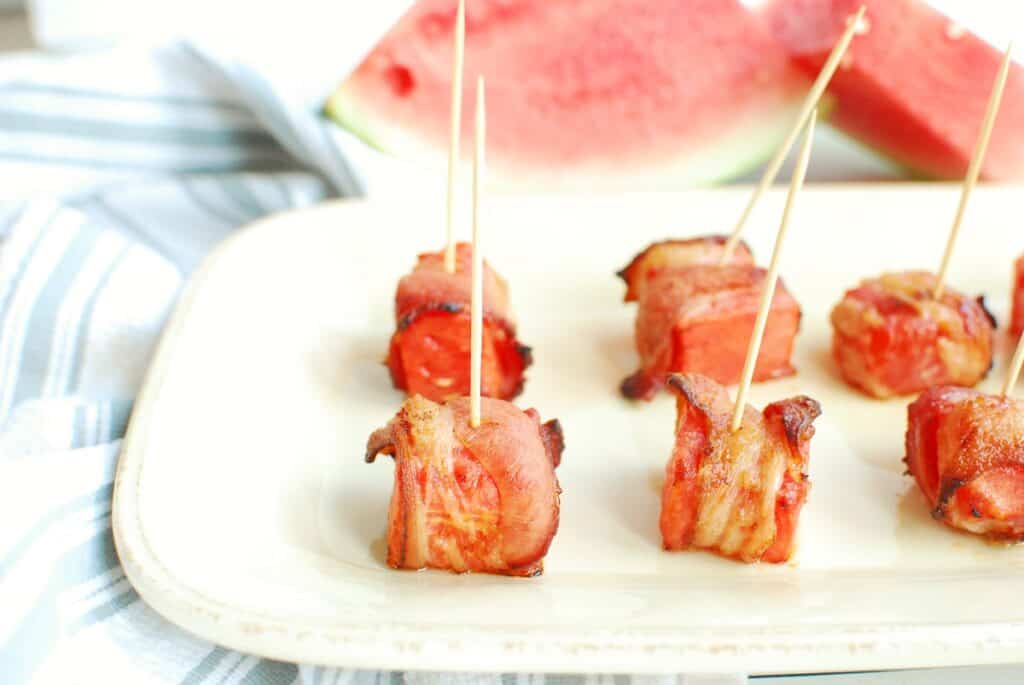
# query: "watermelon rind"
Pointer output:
{"type": "Point", "coordinates": [344, 109]}
{"type": "Point", "coordinates": [743, 150]}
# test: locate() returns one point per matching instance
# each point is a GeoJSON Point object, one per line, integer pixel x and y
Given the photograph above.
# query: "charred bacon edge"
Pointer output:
{"type": "Point", "coordinates": [980, 299]}
{"type": "Point", "coordinates": [946, 493]}
{"type": "Point", "coordinates": [553, 437]}
{"type": "Point", "coordinates": [639, 385]}
{"type": "Point", "coordinates": [381, 441]}
{"type": "Point", "coordinates": [525, 352]}
{"type": "Point", "coordinates": [690, 386]}
{"type": "Point", "coordinates": [411, 316]}
{"type": "Point", "coordinates": [798, 415]}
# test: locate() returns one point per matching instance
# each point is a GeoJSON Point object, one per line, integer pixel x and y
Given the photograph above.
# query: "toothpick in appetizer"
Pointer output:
{"type": "Point", "coordinates": [692, 322]}
{"type": "Point", "coordinates": [737, 478]}
{"type": "Point", "coordinates": [904, 332]}
{"type": "Point", "coordinates": [475, 486]}
{"type": "Point", "coordinates": [854, 25]}
{"type": "Point", "coordinates": [697, 319]}
{"type": "Point", "coordinates": [429, 351]}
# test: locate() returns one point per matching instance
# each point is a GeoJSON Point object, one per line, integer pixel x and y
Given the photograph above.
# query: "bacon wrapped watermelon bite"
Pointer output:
{"type": "Point", "coordinates": [475, 486]}
{"type": "Point", "coordinates": [905, 332]}
{"type": "Point", "coordinates": [699, 319]}
{"type": "Point", "coordinates": [891, 336]}
{"type": "Point", "coordinates": [735, 493]}
{"type": "Point", "coordinates": [481, 499]}
{"type": "Point", "coordinates": [737, 478]}
{"type": "Point", "coordinates": [966, 451]}
{"type": "Point", "coordinates": [429, 351]}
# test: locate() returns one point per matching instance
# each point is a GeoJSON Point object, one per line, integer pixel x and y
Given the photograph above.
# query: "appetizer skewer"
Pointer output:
{"type": "Point", "coordinates": [974, 169]}
{"type": "Point", "coordinates": [697, 319]}
{"type": "Point", "coordinates": [692, 316]}
{"type": "Point", "coordinates": [810, 103]}
{"type": "Point", "coordinates": [479, 499]}
{"type": "Point", "coordinates": [691, 311]}
{"type": "Point", "coordinates": [475, 486]}
{"type": "Point", "coordinates": [736, 480]}
{"type": "Point", "coordinates": [429, 351]}
{"type": "Point", "coordinates": [907, 331]}
{"type": "Point", "coordinates": [965, 449]}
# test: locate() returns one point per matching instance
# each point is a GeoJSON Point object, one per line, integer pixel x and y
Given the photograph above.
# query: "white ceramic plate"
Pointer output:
{"type": "Point", "coordinates": [244, 511]}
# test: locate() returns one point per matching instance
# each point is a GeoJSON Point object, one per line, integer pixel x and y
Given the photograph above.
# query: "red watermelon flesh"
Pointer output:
{"type": "Point", "coordinates": [581, 91]}
{"type": "Point", "coordinates": [913, 85]}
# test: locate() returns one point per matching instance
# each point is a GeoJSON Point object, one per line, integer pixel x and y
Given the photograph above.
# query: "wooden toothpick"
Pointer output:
{"type": "Point", "coordinates": [974, 169]}
{"type": "Point", "coordinates": [456, 129]}
{"type": "Point", "coordinates": [773, 276]}
{"type": "Point", "coordinates": [809, 104]}
{"type": "Point", "coordinates": [476, 306]}
{"type": "Point", "coordinates": [1014, 371]}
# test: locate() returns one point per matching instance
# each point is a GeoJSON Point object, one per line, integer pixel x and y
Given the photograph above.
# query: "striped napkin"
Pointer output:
{"type": "Point", "coordinates": [121, 170]}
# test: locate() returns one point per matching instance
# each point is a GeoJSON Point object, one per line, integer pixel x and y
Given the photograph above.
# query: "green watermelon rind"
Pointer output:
{"type": "Point", "coordinates": [750, 147]}
{"type": "Point", "coordinates": [342, 108]}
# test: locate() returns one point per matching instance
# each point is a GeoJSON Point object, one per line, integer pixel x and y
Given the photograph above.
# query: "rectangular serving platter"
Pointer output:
{"type": "Point", "coordinates": [244, 512]}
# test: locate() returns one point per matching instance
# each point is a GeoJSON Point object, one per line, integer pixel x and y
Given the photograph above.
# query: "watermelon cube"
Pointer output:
{"type": "Point", "coordinates": [700, 319]}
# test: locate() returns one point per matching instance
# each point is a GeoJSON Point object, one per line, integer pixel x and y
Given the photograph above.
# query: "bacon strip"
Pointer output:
{"type": "Point", "coordinates": [890, 337]}
{"type": "Point", "coordinates": [966, 451]}
{"type": "Point", "coordinates": [429, 351]}
{"type": "Point", "coordinates": [736, 494]}
{"type": "Point", "coordinates": [699, 319]}
{"type": "Point", "coordinates": [674, 255]}
{"type": "Point", "coordinates": [465, 499]}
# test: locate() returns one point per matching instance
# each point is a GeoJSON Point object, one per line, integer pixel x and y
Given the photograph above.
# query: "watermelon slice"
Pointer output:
{"type": "Point", "coordinates": [623, 92]}
{"type": "Point", "coordinates": [914, 85]}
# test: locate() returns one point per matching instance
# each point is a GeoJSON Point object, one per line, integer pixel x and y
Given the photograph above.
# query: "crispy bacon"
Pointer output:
{"type": "Point", "coordinates": [1017, 297]}
{"type": "Point", "coordinates": [676, 254]}
{"type": "Point", "coordinates": [891, 337]}
{"type": "Point", "coordinates": [736, 494]}
{"type": "Point", "coordinates": [700, 318]}
{"type": "Point", "coordinates": [429, 351]}
{"type": "Point", "coordinates": [470, 499]}
{"type": "Point", "coordinates": [966, 451]}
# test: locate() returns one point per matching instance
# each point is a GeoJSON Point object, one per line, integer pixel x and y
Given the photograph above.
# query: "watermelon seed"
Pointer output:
{"type": "Point", "coordinates": [400, 79]}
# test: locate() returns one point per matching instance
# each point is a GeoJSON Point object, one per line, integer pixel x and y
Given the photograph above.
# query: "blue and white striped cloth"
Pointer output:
{"type": "Point", "coordinates": [120, 171]}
